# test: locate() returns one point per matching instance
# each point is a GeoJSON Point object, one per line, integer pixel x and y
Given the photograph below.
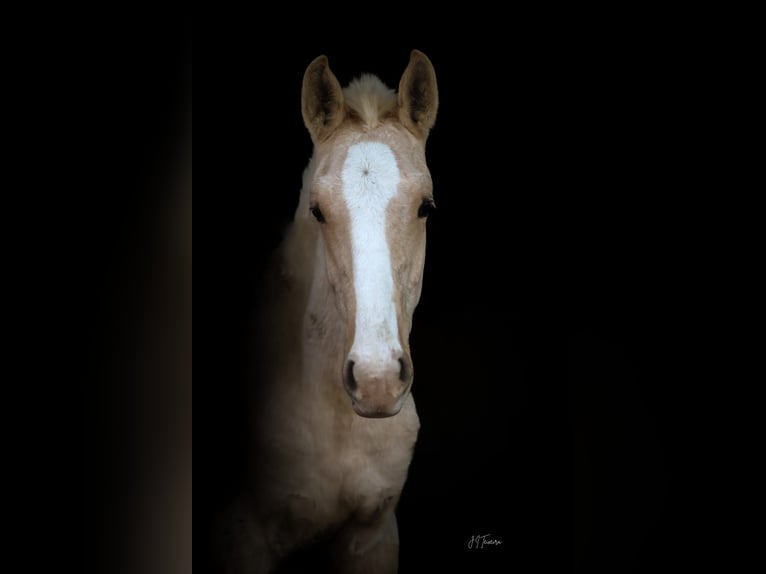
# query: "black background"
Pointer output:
{"type": "Point", "coordinates": [113, 92]}
{"type": "Point", "coordinates": [548, 342]}
{"type": "Point", "coordinates": [554, 343]}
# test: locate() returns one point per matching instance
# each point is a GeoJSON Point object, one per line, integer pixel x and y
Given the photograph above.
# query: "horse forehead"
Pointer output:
{"type": "Point", "coordinates": [371, 167]}
{"type": "Point", "coordinates": [380, 154]}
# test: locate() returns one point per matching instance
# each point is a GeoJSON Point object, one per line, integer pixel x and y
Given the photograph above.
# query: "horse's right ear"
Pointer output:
{"type": "Point", "coordinates": [321, 100]}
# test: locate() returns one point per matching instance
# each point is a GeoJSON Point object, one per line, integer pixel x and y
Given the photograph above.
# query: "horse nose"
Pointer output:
{"type": "Point", "coordinates": [368, 371]}
{"type": "Point", "coordinates": [378, 387]}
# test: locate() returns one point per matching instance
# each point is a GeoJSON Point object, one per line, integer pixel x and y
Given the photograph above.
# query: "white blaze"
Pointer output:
{"type": "Point", "coordinates": [370, 179]}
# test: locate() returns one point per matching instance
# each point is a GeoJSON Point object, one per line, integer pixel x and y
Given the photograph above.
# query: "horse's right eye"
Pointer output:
{"type": "Point", "coordinates": [317, 213]}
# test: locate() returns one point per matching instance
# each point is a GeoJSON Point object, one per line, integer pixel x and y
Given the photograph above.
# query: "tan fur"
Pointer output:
{"type": "Point", "coordinates": [418, 95]}
{"type": "Point", "coordinates": [322, 469]}
{"type": "Point", "coordinates": [322, 101]}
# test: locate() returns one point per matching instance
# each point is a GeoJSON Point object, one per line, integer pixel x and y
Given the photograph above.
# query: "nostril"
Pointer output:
{"type": "Point", "coordinates": [350, 380]}
{"type": "Point", "coordinates": [404, 371]}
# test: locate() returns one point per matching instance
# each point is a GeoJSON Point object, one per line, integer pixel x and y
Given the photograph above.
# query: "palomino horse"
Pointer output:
{"type": "Point", "coordinates": [336, 424]}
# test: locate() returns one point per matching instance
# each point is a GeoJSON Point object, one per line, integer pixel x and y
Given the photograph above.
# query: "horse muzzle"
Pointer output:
{"type": "Point", "coordinates": [378, 388]}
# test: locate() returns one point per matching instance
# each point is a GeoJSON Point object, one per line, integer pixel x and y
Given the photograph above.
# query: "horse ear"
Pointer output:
{"type": "Point", "coordinates": [418, 95]}
{"type": "Point", "coordinates": [321, 99]}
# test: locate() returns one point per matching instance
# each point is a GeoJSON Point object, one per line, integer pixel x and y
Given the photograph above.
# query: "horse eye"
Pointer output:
{"type": "Point", "coordinates": [317, 213]}
{"type": "Point", "coordinates": [426, 207]}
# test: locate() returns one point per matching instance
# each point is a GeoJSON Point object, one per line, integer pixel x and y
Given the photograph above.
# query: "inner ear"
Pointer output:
{"type": "Point", "coordinates": [418, 95]}
{"type": "Point", "coordinates": [321, 99]}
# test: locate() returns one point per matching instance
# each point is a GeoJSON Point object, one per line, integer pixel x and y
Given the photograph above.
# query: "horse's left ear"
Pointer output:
{"type": "Point", "coordinates": [418, 95]}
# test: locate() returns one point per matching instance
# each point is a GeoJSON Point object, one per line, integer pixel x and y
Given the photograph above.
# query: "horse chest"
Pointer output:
{"type": "Point", "coordinates": [367, 471]}
{"type": "Point", "coordinates": [359, 469]}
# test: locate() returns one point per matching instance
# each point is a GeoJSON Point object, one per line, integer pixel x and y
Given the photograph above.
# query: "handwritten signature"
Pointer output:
{"type": "Point", "coordinates": [479, 541]}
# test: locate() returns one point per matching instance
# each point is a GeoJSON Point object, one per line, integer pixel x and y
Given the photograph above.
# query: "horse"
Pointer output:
{"type": "Point", "coordinates": [336, 424]}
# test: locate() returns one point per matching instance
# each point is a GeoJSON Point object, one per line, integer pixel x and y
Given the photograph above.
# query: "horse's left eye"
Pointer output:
{"type": "Point", "coordinates": [426, 207]}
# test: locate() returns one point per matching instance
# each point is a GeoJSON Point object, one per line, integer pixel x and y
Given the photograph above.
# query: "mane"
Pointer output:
{"type": "Point", "coordinates": [370, 99]}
